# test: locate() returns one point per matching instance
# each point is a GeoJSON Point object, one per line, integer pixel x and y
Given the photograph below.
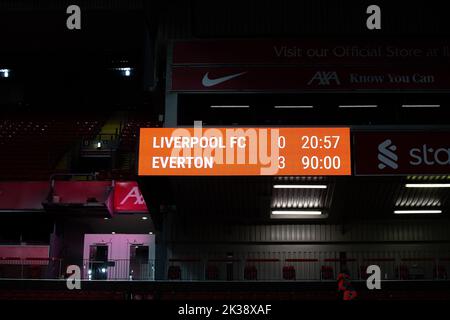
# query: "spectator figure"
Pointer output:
{"type": "Point", "coordinates": [345, 288]}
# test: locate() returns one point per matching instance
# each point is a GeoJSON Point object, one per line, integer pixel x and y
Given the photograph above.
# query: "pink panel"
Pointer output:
{"type": "Point", "coordinates": [23, 195]}
{"type": "Point", "coordinates": [24, 252]}
{"type": "Point", "coordinates": [80, 191]}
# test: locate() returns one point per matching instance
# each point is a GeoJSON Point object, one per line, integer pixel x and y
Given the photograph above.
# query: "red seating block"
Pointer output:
{"type": "Point", "coordinates": [250, 273]}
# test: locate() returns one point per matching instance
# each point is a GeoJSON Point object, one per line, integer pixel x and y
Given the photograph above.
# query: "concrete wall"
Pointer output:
{"type": "Point", "coordinates": [377, 231]}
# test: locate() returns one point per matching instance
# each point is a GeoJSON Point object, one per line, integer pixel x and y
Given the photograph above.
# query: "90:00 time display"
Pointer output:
{"type": "Point", "coordinates": [327, 162]}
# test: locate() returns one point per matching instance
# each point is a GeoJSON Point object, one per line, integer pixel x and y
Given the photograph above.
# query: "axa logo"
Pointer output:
{"type": "Point", "coordinates": [135, 194]}
{"type": "Point", "coordinates": [325, 78]}
{"type": "Point", "coordinates": [387, 155]}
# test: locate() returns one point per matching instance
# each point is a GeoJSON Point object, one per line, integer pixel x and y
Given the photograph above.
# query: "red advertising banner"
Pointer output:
{"type": "Point", "coordinates": [128, 197]}
{"type": "Point", "coordinates": [283, 52]}
{"type": "Point", "coordinates": [309, 78]}
{"type": "Point", "coordinates": [398, 153]}
{"type": "Point", "coordinates": [24, 196]}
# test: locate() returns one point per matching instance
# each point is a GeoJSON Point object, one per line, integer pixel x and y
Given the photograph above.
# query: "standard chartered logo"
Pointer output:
{"type": "Point", "coordinates": [387, 155]}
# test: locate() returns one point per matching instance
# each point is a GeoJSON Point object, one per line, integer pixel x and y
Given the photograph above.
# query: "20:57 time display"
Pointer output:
{"type": "Point", "coordinates": [316, 142]}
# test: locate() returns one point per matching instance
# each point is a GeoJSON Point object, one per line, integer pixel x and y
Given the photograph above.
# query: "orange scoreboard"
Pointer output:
{"type": "Point", "coordinates": [244, 151]}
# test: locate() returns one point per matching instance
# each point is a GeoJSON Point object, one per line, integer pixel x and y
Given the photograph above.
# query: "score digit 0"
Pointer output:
{"type": "Point", "coordinates": [281, 142]}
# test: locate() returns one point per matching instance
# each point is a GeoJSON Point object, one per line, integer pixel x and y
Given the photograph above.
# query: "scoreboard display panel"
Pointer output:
{"type": "Point", "coordinates": [244, 151]}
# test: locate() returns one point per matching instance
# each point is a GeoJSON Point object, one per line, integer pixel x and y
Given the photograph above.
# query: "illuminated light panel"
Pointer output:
{"type": "Point", "coordinates": [296, 212]}
{"type": "Point", "coordinates": [421, 106]}
{"type": "Point", "coordinates": [230, 106]}
{"type": "Point", "coordinates": [293, 107]}
{"type": "Point", "coordinates": [417, 211]}
{"type": "Point", "coordinates": [359, 106]}
{"type": "Point", "coordinates": [427, 185]}
{"type": "Point", "coordinates": [299, 186]}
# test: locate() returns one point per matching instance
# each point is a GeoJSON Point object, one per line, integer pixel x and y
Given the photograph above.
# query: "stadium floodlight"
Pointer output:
{"type": "Point", "coordinates": [124, 71]}
{"type": "Point", "coordinates": [417, 211]}
{"type": "Point", "coordinates": [427, 185]}
{"type": "Point", "coordinates": [4, 73]}
{"type": "Point", "coordinates": [299, 186]}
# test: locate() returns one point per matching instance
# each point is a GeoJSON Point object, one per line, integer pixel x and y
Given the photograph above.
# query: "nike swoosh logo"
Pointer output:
{"type": "Point", "coordinates": [207, 82]}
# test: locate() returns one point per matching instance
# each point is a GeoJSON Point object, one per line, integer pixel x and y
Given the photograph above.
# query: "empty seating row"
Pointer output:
{"type": "Point", "coordinates": [402, 272]}
{"type": "Point", "coordinates": [32, 144]}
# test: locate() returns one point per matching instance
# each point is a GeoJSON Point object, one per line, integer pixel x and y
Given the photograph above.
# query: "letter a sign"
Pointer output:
{"type": "Point", "coordinates": [128, 197]}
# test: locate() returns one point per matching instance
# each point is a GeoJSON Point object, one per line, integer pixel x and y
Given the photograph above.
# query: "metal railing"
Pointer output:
{"type": "Point", "coordinates": [100, 143]}
{"type": "Point", "coordinates": [243, 269]}
{"type": "Point", "coordinates": [31, 268]}
{"type": "Point", "coordinates": [120, 269]}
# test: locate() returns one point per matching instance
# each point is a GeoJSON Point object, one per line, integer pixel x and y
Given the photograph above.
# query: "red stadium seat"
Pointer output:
{"type": "Point", "coordinates": [440, 272]}
{"type": "Point", "coordinates": [327, 273]}
{"type": "Point", "coordinates": [288, 273]}
{"type": "Point", "coordinates": [174, 273]}
{"type": "Point", "coordinates": [250, 273]}
{"type": "Point", "coordinates": [212, 272]}
{"type": "Point", "coordinates": [402, 272]}
{"type": "Point", "coordinates": [362, 272]}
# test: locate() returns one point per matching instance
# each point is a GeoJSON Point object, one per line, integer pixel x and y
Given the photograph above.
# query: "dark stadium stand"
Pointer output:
{"type": "Point", "coordinates": [128, 144]}
{"type": "Point", "coordinates": [130, 132]}
{"type": "Point", "coordinates": [373, 206]}
{"type": "Point", "coordinates": [32, 145]}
